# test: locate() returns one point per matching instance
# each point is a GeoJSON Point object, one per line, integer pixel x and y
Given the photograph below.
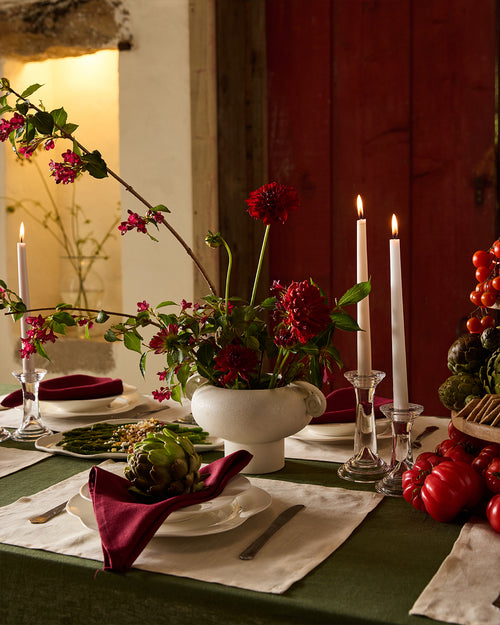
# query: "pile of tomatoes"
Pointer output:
{"type": "Point", "coordinates": [462, 474]}
{"type": "Point", "coordinates": [487, 264]}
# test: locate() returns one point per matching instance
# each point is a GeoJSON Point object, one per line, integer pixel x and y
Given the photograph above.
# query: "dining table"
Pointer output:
{"type": "Point", "coordinates": [374, 576]}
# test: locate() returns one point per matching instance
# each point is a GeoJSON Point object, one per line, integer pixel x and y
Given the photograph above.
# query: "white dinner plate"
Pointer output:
{"type": "Point", "coordinates": [338, 432]}
{"type": "Point", "coordinates": [49, 443]}
{"type": "Point", "coordinates": [234, 487]}
{"type": "Point", "coordinates": [245, 505]}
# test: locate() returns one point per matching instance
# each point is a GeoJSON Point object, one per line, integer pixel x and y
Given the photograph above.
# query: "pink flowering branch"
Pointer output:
{"type": "Point", "coordinates": [63, 172]}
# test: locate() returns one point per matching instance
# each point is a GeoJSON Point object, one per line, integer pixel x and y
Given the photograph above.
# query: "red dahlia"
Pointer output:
{"type": "Point", "coordinates": [305, 310]}
{"type": "Point", "coordinates": [272, 203]}
{"type": "Point", "coordinates": [236, 360]}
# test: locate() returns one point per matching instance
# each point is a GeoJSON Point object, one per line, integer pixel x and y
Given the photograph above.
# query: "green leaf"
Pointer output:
{"type": "Point", "coordinates": [62, 306]}
{"type": "Point", "coordinates": [343, 321]}
{"type": "Point", "coordinates": [102, 317]}
{"type": "Point", "coordinates": [167, 303]}
{"type": "Point", "coordinates": [161, 208]}
{"type": "Point", "coordinates": [5, 84]}
{"type": "Point", "coordinates": [29, 90]}
{"type": "Point", "coordinates": [95, 164]}
{"type": "Point", "coordinates": [70, 129]}
{"type": "Point", "coordinates": [132, 341]}
{"type": "Point", "coordinates": [59, 116]}
{"type": "Point", "coordinates": [183, 374]}
{"type": "Point", "coordinates": [110, 336]}
{"type": "Point", "coordinates": [60, 328]}
{"type": "Point", "coordinates": [63, 318]}
{"type": "Point", "coordinates": [142, 364]}
{"type": "Point", "coordinates": [176, 394]}
{"type": "Point", "coordinates": [43, 122]}
{"type": "Point", "coordinates": [355, 294]}
{"type": "Point", "coordinates": [22, 107]}
{"type": "Point", "coordinates": [40, 350]}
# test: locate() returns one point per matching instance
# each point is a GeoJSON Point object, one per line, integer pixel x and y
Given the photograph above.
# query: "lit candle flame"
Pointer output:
{"type": "Point", "coordinates": [394, 227]}
{"type": "Point", "coordinates": [21, 233]}
{"type": "Point", "coordinates": [359, 203]}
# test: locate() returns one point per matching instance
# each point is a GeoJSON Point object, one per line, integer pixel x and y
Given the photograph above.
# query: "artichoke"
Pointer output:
{"type": "Point", "coordinates": [490, 374]}
{"type": "Point", "coordinates": [163, 465]}
{"type": "Point", "coordinates": [457, 390]}
{"type": "Point", "coordinates": [490, 339]}
{"type": "Point", "coordinates": [466, 354]}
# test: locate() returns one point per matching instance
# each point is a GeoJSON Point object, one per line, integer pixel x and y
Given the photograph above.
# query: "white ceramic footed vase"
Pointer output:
{"type": "Point", "coordinates": [256, 420]}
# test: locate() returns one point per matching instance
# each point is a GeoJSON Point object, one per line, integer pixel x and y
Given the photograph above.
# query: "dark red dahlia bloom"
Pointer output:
{"type": "Point", "coordinates": [272, 203]}
{"type": "Point", "coordinates": [164, 339]}
{"type": "Point", "coordinates": [236, 360]}
{"type": "Point", "coordinates": [305, 311]}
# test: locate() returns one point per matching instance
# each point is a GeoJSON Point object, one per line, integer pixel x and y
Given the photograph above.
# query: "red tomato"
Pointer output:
{"type": "Point", "coordinates": [481, 259]}
{"type": "Point", "coordinates": [496, 283]}
{"type": "Point", "coordinates": [445, 491]}
{"type": "Point", "coordinates": [492, 476]}
{"type": "Point", "coordinates": [473, 445]}
{"type": "Point", "coordinates": [475, 298]}
{"type": "Point", "coordinates": [493, 512]}
{"type": "Point", "coordinates": [474, 325]}
{"type": "Point", "coordinates": [496, 249]}
{"type": "Point", "coordinates": [482, 274]}
{"type": "Point", "coordinates": [488, 298]}
{"type": "Point", "coordinates": [488, 321]}
{"type": "Point", "coordinates": [485, 456]}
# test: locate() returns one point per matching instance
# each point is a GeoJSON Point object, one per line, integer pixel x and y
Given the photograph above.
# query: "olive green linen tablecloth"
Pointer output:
{"type": "Point", "coordinates": [374, 577]}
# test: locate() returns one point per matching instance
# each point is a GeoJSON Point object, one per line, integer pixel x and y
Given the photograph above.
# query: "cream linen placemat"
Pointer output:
{"type": "Point", "coordinates": [467, 582]}
{"type": "Point", "coordinates": [342, 450]}
{"type": "Point", "coordinates": [12, 460]}
{"type": "Point", "coordinates": [312, 535]}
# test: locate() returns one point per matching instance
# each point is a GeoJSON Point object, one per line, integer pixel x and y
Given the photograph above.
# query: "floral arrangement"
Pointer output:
{"type": "Point", "coordinates": [232, 342]}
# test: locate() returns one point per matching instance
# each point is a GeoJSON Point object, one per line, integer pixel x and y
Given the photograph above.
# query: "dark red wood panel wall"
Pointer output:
{"type": "Point", "coordinates": [392, 99]}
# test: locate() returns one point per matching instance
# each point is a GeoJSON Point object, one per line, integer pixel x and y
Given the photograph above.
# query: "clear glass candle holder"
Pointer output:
{"type": "Point", "coordinates": [365, 465]}
{"type": "Point", "coordinates": [31, 426]}
{"type": "Point", "coordinates": [402, 455]}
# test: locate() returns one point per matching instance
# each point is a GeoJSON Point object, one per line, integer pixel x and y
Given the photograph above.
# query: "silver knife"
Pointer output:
{"type": "Point", "coordinates": [279, 521]}
{"type": "Point", "coordinates": [50, 514]}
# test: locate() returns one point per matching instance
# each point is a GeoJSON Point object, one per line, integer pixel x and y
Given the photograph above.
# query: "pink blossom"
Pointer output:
{"type": "Point", "coordinates": [162, 375]}
{"type": "Point", "coordinates": [185, 305]}
{"type": "Point", "coordinates": [162, 393]}
{"type": "Point", "coordinates": [27, 349]}
{"type": "Point", "coordinates": [49, 144]}
{"type": "Point", "coordinates": [134, 222]}
{"type": "Point", "coordinates": [142, 305]}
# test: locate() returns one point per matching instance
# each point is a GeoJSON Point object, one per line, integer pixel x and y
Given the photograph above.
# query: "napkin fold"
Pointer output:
{"type": "Point", "coordinates": [77, 386]}
{"type": "Point", "coordinates": [341, 407]}
{"type": "Point", "coordinates": [127, 525]}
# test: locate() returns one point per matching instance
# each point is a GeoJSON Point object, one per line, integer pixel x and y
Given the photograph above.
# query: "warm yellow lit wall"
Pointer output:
{"type": "Point", "coordinates": [87, 87]}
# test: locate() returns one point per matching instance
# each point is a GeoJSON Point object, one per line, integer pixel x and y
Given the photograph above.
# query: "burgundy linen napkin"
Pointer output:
{"type": "Point", "coordinates": [126, 525]}
{"type": "Point", "coordinates": [78, 386]}
{"type": "Point", "coordinates": [341, 407]}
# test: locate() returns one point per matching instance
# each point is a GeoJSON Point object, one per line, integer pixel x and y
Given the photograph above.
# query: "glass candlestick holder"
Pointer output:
{"type": "Point", "coordinates": [365, 465]}
{"type": "Point", "coordinates": [4, 434]}
{"type": "Point", "coordinates": [402, 455]}
{"type": "Point", "coordinates": [31, 426]}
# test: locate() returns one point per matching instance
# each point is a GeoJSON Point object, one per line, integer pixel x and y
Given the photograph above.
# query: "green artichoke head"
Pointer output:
{"type": "Point", "coordinates": [490, 339]}
{"type": "Point", "coordinates": [467, 354]}
{"type": "Point", "coordinates": [457, 390]}
{"type": "Point", "coordinates": [162, 465]}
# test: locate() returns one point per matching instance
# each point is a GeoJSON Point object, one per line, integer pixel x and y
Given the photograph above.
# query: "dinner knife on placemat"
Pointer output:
{"type": "Point", "coordinates": [50, 514]}
{"type": "Point", "coordinates": [279, 521]}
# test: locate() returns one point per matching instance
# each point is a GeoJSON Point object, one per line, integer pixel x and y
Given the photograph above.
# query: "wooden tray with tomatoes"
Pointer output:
{"type": "Point", "coordinates": [480, 418]}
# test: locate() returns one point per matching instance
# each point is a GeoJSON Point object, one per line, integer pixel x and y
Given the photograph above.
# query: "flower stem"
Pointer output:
{"type": "Point", "coordinates": [228, 273]}
{"type": "Point", "coordinates": [259, 266]}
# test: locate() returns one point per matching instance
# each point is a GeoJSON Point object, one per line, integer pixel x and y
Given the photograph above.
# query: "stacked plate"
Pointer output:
{"type": "Point", "coordinates": [338, 432]}
{"type": "Point", "coordinates": [238, 502]}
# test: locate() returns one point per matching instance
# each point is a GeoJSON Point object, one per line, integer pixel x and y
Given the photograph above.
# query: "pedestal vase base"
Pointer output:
{"type": "Point", "coordinates": [267, 457]}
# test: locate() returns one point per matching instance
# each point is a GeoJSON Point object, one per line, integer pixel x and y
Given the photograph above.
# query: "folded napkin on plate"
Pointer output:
{"type": "Point", "coordinates": [127, 525]}
{"type": "Point", "coordinates": [76, 386]}
{"type": "Point", "coordinates": [341, 407]}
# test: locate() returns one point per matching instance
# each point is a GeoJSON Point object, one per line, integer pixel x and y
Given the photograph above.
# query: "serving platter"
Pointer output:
{"type": "Point", "coordinates": [49, 443]}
